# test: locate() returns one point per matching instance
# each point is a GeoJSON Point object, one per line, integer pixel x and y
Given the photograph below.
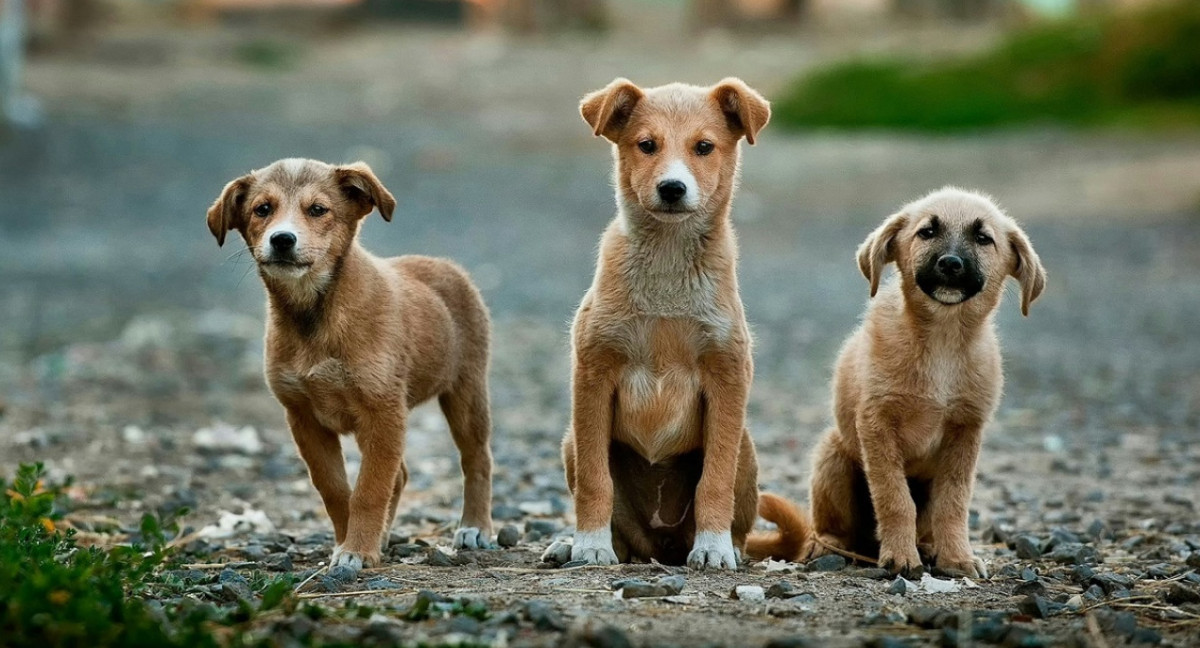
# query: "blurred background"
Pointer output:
{"type": "Point", "coordinates": [125, 331]}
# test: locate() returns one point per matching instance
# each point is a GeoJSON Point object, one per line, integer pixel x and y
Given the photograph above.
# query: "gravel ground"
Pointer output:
{"type": "Point", "coordinates": [130, 346]}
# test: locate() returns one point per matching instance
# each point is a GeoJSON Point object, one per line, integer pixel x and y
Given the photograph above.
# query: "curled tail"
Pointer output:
{"type": "Point", "coordinates": [789, 539]}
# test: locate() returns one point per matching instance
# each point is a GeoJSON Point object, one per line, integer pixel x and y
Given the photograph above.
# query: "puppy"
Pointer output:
{"type": "Point", "coordinates": [657, 456]}
{"type": "Point", "coordinates": [354, 342]}
{"type": "Point", "coordinates": [914, 387]}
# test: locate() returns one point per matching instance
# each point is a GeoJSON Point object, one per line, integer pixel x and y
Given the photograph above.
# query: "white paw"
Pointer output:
{"type": "Point", "coordinates": [713, 550]}
{"type": "Point", "coordinates": [343, 558]}
{"type": "Point", "coordinates": [594, 547]}
{"type": "Point", "coordinates": [471, 538]}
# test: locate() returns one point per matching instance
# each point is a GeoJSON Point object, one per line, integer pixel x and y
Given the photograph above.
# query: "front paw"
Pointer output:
{"type": "Point", "coordinates": [472, 538]}
{"type": "Point", "coordinates": [594, 547]}
{"type": "Point", "coordinates": [957, 564]}
{"type": "Point", "coordinates": [355, 560]}
{"type": "Point", "coordinates": [903, 560]}
{"type": "Point", "coordinates": [712, 550]}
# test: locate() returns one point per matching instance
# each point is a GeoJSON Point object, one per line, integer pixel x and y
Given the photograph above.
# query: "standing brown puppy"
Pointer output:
{"type": "Point", "coordinates": [658, 457]}
{"type": "Point", "coordinates": [914, 387]}
{"type": "Point", "coordinates": [355, 341]}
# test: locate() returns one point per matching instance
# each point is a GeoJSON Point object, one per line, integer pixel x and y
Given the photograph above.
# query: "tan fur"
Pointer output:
{"type": "Point", "coordinates": [661, 350]}
{"type": "Point", "coordinates": [914, 388]}
{"type": "Point", "coordinates": [354, 342]}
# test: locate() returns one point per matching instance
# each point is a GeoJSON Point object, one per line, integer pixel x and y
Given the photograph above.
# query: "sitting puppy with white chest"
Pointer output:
{"type": "Point", "coordinates": [354, 342]}
{"type": "Point", "coordinates": [658, 457]}
{"type": "Point", "coordinates": [914, 388]}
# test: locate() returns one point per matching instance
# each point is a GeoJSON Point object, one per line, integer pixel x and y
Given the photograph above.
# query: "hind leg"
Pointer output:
{"type": "Point", "coordinates": [836, 520]}
{"type": "Point", "coordinates": [401, 481]}
{"type": "Point", "coordinates": [466, 410]}
{"type": "Point", "coordinates": [745, 492]}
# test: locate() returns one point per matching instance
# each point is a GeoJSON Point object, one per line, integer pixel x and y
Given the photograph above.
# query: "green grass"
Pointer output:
{"type": "Point", "coordinates": [55, 593]}
{"type": "Point", "coordinates": [1134, 69]}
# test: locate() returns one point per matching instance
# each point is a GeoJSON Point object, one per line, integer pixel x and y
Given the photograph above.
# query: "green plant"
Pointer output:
{"type": "Point", "coordinates": [1141, 68]}
{"type": "Point", "coordinates": [54, 592]}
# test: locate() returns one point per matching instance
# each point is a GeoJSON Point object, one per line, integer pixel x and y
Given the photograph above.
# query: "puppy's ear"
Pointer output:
{"type": "Point", "coordinates": [360, 185]}
{"type": "Point", "coordinates": [745, 110]}
{"type": "Point", "coordinates": [877, 250]}
{"type": "Point", "coordinates": [228, 212]}
{"type": "Point", "coordinates": [1027, 268]}
{"type": "Point", "coordinates": [608, 110]}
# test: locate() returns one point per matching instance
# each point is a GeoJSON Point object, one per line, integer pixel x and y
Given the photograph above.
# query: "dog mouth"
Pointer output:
{"type": "Point", "coordinates": [287, 267]}
{"type": "Point", "coordinates": [950, 293]}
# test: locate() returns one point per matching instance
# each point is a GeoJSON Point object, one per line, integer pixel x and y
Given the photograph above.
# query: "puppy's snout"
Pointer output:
{"type": "Point", "coordinates": [671, 191]}
{"type": "Point", "coordinates": [283, 242]}
{"type": "Point", "coordinates": [950, 265]}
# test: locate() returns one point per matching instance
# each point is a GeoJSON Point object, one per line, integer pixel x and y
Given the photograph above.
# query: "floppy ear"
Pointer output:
{"type": "Point", "coordinates": [1027, 268]}
{"type": "Point", "coordinates": [745, 110]}
{"type": "Point", "coordinates": [608, 110]}
{"type": "Point", "coordinates": [877, 251]}
{"type": "Point", "coordinates": [360, 185]}
{"type": "Point", "coordinates": [227, 212]}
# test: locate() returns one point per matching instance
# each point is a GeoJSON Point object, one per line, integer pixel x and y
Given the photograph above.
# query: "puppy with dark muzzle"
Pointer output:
{"type": "Point", "coordinates": [914, 388]}
{"type": "Point", "coordinates": [355, 341]}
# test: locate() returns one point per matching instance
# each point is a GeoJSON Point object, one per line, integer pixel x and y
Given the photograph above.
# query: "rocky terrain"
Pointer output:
{"type": "Point", "coordinates": [130, 350]}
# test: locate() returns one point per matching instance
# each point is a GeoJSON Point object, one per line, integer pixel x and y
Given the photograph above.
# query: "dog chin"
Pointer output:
{"type": "Point", "coordinates": [286, 270]}
{"type": "Point", "coordinates": [670, 216]}
{"type": "Point", "coordinates": [949, 296]}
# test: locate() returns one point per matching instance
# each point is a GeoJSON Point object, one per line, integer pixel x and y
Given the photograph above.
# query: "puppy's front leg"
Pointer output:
{"type": "Point", "coordinates": [591, 423]}
{"type": "Point", "coordinates": [321, 450]}
{"type": "Point", "coordinates": [950, 498]}
{"type": "Point", "coordinates": [726, 383]}
{"type": "Point", "coordinates": [381, 439]}
{"type": "Point", "coordinates": [879, 434]}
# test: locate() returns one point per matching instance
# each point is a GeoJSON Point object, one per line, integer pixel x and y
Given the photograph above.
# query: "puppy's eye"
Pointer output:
{"type": "Point", "coordinates": [704, 147]}
{"type": "Point", "coordinates": [983, 239]}
{"type": "Point", "coordinates": [263, 210]}
{"type": "Point", "coordinates": [647, 146]}
{"type": "Point", "coordinates": [318, 210]}
{"type": "Point", "coordinates": [927, 232]}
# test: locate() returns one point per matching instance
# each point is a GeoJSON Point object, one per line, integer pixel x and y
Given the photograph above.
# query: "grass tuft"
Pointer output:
{"type": "Point", "coordinates": [1140, 69]}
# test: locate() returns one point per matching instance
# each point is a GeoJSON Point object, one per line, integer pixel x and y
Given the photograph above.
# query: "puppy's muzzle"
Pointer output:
{"type": "Point", "coordinates": [950, 278]}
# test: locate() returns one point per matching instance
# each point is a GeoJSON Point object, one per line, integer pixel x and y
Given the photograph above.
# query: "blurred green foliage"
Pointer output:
{"type": "Point", "coordinates": [1140, 69]}
{"type": "Point", "coordinates": [54, 592]}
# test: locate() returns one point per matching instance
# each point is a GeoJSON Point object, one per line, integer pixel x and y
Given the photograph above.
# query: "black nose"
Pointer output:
{"type": "Point", "coordinates": [671, 190]}
{"type": "Point", "coordinates": [950, 265]}
{"type": "Point", "coordinates": [283, 241]}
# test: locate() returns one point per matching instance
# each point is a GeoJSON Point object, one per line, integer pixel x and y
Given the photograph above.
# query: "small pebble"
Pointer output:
{"type": "Point", "coordinates": [508, 536]}
{"type": "Point", "coordinates": [638, 588]}
{"type": "Point", "coordinates": [827, 563]}
{"type": "Point", "coordinates": [1178, 594]}
{"type": "Point", "coordinates": [1028, 548]}
{"type": "Point", "coordinates": [543, 616]}
{"type": "Point", "coordinates": [751, 593]}
{"type": "Point", "coordinates": [279, 562]}
{"type": "Point", "coordinates": [607, 636]}
{"type": "Point", "coordinates": [780, 590]}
